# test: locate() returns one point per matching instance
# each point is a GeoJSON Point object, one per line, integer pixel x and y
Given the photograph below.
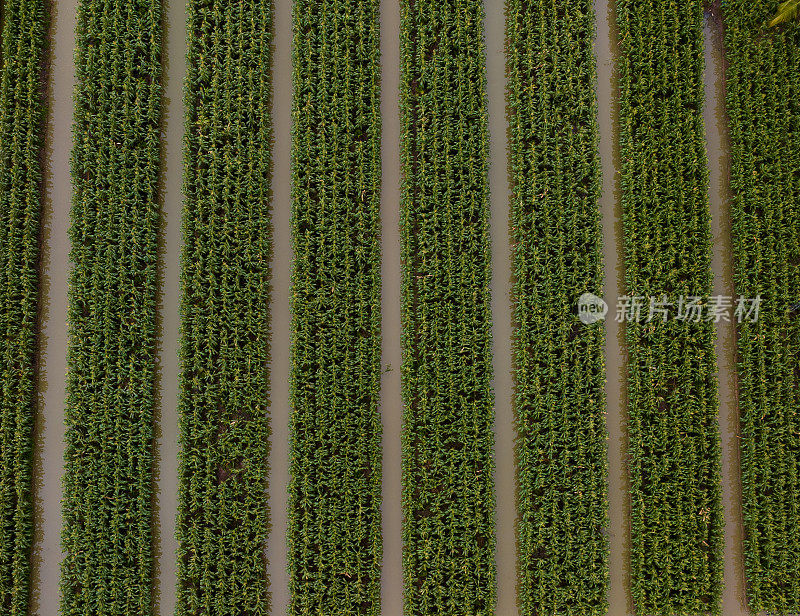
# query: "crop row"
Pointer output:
{"type": "Point", "coordinates": [334, 535]}
{"type": "Point", "coordinates": [558, 361]}
{"type": "Point", "coordinates": [223, 518]}
{"type": "Point", "coordinates": [447, 440]}
{"type": "Point", "coordinates": [24, 25]}
{"type": "Point", "coordinates": [676, 518]}
{"type": "Point", "coordinates": [115, 215]}
{"type": "Point", "coordinates": [763, 89]}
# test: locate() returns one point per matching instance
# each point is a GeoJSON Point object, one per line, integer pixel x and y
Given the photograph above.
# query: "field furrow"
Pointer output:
{"type": "Point", "coordinates": [447, 485]}
{"type": "Point", "coordinates": [558, 360]}
{"type": "Point", "coordinates": [674, 448]}
{"type": "Point", "coordinates": [334, 535]}
{"type": "Point", "coordinates": [22, 108]}
{"type": "Point", "coordinates": [115, 220]}
{"type": "Point", "coordinates": [763, 96]}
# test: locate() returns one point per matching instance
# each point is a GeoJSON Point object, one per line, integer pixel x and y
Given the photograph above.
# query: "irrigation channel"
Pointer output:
{"type": "Point", "coordinates": [55, 269]}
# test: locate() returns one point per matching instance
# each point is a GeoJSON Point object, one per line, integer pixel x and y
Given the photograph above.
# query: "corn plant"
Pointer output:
{"type": "Point", "coordinates": [115, 215]}
{"type": "Point", "coordinates": [224, 345]}
{"type": "Point", "coordinates": [557, 257]}
{"type": "Point", "coordinates": [24, 26]}
{"type": "Point", "coordinates": [334, 535]}
{"type": "Point", "coordinates": [674, 448]}
{"type": "Point", "coordinates": [763, 97]}
{"type": "Point", "coordinates": [447, 486]}
{"type": "Point", "coordinates": [787, 11]}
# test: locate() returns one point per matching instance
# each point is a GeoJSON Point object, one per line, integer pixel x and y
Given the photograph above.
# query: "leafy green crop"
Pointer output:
{"type": "Point", "coordinates": [787, 11]}
{"type": "Point", "coordinates": [223, 516]}
{"type": "Point", "coordinates": [448, 498]}
{"type": "Point", "coordinates": [763, 95]}
{"type": "Point", "coordinates": [22, 108]}
{"type": "Point", "coordinates": [334, 535]}
{"type": "Point", "coordinates": [676, 518]}
{"type": "Point", "coordinates": [108, 483]}
{"type": "Point", "coordinates": [555, 222]}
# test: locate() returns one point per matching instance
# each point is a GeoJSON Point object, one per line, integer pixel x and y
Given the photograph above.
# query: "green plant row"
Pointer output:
{"type": "Point", "coordinates": [674, 450]}
{"type": "Point", "coordinates": [223, 516]}
{"type": "Point", "coordinates": [559, 368]}
{"type": "Point", "coordinates": [334, 535]}
{"type": "Point", "coordinates": [22, 109]}
{"type": "Point", "coordinates": [447, 486]}
{"type": "Point", "coordinates": [115, 218]}
{"type": "Point", "coordinates": [763, 96]}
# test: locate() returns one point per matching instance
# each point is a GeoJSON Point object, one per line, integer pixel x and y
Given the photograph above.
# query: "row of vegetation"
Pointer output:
{"type": "Point", "coordinates": [24, 26]}
{"type": "Point", "coordinates": [108, 483]}
{"type": "Point", "coordinates": [556, 234]}
{"type": "Point", "coordinates": [788, 11]}
{"type": "Point", "coordinates": [763, 95]}
{"type": "Point", "coordinates": [674, 447]}
{"type": "Point", "coordinates": [334, 534]}
{"type": "Point", "coordinates": [447, 486]}
{"type": "Point", "coordinates": [223, 517]}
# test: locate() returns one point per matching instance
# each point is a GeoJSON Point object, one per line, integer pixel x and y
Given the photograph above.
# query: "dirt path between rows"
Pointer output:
{"type": "Point", "coordinates": [620, 600]}
{"type": "Point", "coordinates": [502, 383]}
{"type": "Point", "coordinates": [734, 602]}
{"type": "Point", "coordinates": [281, 272]}
{"type": "Point", "coordinates": [166, 446]}
{"type": "Point", "coordinates": [49, 458]}
{"type": "Point", "coordinates": [391, 354]}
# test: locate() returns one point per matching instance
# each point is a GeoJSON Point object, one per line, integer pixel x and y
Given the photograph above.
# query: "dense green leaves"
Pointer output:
{"type": "Point", "coordinates": [448, 499]}
{"type": "Point", "coordinates": [676, 520]}
{"type": "Point", "coordinates": [224, 389]}
{"type": "Point", "coordinates": [787, 11]}
{"type": "Point", "coordinates": [334, 535]}
{"type": "Point", "coordinates": [108, 489]}
{"type": "Point", "coordinates": [763, 88]}
{"type": "Point", "coordinates": [558, 360]}
{"type": "Point", "coordinates": [21, 137]}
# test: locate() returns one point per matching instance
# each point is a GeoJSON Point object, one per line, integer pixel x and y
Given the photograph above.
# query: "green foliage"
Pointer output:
{"type": "Point", "coordinates": [676, 517]}
{"type": "Point", "coordinates": [448, 499]}
{"type": "Point", "coordinates": [108, 483]}
{"type": "Point", "coordinates": [787, 11]}
{"type": "Point", "coordinates": [334, 534]}
{"type": "Point", "coordinates": [763, 96]}
{"type": "Point", "coordinates": [223, 516]}
{"type": "Point", "coordinates": [22, 110]}
{"type": "Point", "coordinates": [557, 257]}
